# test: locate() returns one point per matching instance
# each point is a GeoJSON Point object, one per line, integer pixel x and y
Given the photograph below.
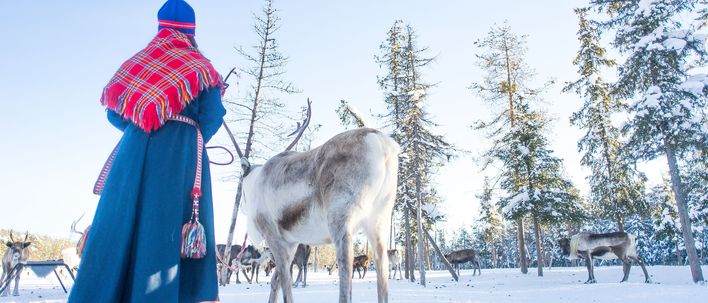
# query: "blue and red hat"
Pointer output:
{"type": "Point", "coordinates": [178, 15]}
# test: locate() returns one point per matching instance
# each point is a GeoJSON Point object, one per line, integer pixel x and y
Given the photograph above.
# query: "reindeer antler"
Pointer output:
{"type": "Point", "coordinates": [26, 236]}
{"type": "Point", "coordinates": [301, 127]}
{"type": "Point", "coordinates": [73, 225]}
{"type": "Point", "coordinates": [11, 239]}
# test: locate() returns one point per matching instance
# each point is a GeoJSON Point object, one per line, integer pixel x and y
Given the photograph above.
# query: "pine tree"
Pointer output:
{"type": "Point", "coordinates": [616, 187]}
{"type": "Point", "coordinates": [668, 116]}
{"type": "Point", "coordinates": [492, 230]}
{"type": "Point", "coordinates": [265, 69]}
{"type": "Point", "coordinates": [505, 86]}
{"type": "Point", "coordinates": [546, 195]}
{"type": "Point", "coordinates": [422, 152]}
{"type": "Point", "coordinates": [666, 222]}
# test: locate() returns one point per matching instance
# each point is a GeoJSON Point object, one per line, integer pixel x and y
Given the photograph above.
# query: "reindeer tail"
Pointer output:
{"type": "Point", "coordinates": [632, 249]}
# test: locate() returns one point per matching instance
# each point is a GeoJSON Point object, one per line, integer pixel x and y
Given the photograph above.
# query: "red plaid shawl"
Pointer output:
{"type": "Point", "coordinates": [159, 81]}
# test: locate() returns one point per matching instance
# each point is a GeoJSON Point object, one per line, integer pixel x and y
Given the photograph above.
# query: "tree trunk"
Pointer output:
{"type": "Point", "coordinates": [678, 252]}
{"type": "Point", "coordinates": [522, 246]}
{"type": "Point", "coordinates": [409, 253]}
{"type": "Point", "coordinates": [427, 254]}
{"type": "Point", "coordinates": [391, 233]}
{"type": "Point", "coordinates": [676, 185]}
{"type": "Point", "coordinates": [539, 249]}
{"type": "Point", "coordinates": [421, 250]}
{"type": "Point", "coordinates": [494, 255]}
{"type": "Point", "coordinates": [223, 280]}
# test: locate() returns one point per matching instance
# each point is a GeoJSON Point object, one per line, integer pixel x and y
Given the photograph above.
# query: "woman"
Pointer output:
{"type": "Point", "coordinates": [132, 252]}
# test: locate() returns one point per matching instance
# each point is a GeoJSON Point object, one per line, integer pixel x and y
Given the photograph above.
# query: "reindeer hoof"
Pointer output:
{"type": "Point", "coordinates": [590, 282]}
{"type": "Point", "coordinates": [648, 281]}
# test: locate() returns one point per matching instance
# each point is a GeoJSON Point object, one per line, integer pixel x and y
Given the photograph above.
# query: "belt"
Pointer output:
{"type": "Point", "coordinates": [196, 190]}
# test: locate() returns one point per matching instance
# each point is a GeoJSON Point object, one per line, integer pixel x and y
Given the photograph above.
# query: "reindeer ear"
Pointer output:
{"type": "Point", "coordinates": [9, 244]}
{"type": "Point", "coordinates": [26, 244]}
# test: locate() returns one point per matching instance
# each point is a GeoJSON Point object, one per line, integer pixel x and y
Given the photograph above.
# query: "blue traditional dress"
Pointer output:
{"type": "Point", "coordinates": [132, 252]}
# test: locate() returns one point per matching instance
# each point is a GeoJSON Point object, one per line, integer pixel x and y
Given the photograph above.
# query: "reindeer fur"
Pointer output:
{"type": "Point", "coordinates": [322, 196]}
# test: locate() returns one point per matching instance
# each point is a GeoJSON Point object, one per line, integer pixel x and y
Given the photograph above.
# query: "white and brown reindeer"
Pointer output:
{"type": "Point", "coordinates": [322, 196]}
{"type": "Point", "coordinates": [616, 245]}
{"type": "Point", "coordinates": [17, 253]}
{"type": "Point", "coordinates": [394, 259]}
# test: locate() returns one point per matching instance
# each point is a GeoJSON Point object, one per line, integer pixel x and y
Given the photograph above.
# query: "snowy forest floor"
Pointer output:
{"type": "Point", "coordinates": [671, 284]}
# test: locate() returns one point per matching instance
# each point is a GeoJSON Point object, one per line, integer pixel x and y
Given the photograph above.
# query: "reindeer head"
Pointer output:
{"type": "Point", "coordinates": [17, 250]}
{"type": "Point", "coordinates": [564, 245]}
{"type": "Point", "coordinates": [301, 127]}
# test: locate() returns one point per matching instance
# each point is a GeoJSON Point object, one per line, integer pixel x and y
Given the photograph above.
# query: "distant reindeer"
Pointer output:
{"type": "Point", "coordinates": [235, 249]}
{"type": "Point", "coordinates": [394, 258]}
{"type": "Point", "coordinates": [463, 256]}
{"type": "Point", "coordinates": [17, 253]}
{"type": "Point", "coordinates": [616, 245]}
{"type": "Point", "coordinates": [331, 268]}
{"type": "Point", "coordinates": [360, 262]}
{"type": "Point", "coordinates": [302, 254]}
{"type": "Point", "coordinates": [321, 196]}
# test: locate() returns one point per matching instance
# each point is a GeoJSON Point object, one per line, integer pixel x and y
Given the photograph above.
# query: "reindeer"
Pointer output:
{"type": "Point", "coordinates": [616, 245]}
{"type": "Point", "coordinates": [17, 253]}
{"type": "Point", "coordinates": [463, 256]}
{"type": "Point", "coordinates": [269, 266]}
{"type": "Point", "coordinates": [235, 249]}
{"type": "Point", "coordinates": [302, 254]}
{"type": "Point", "coordinates": [322, 196]}
{"type": "Point", "coordinates": [258, 259]}
{"type": "Point", "coordinates": [394, 258]}
{"type": "Point", "coordinates": [331, 268]}
{"type": "Point", "coordinates": [360, 262]}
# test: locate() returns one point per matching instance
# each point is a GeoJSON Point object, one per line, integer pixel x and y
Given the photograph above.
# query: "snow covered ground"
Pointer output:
{"type": "Point", "coordinates": [671, 284]}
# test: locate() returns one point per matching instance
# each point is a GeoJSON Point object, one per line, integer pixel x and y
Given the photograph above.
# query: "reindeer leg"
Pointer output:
{"type": "Point", "coordinates": [626, 266]}
{"type": "Point", "coordinates": [304, 277]}
{"type": "Point", "coordinates": [18, 274]}
{"type": "Point", "coordinates": [2, 283]}
{"type": "Point", "coordinates": [345, 251]}
{"type": "Point", "coordinates": [589, 262]}
{"type": "Point", "coordinates": [376, 237]}
{"type": "Point", "coordinates": [274, 287]}
{"type": "Point", "coordinates": [283, 253]}
{"type": "Point", "coordinates": [644, 269]}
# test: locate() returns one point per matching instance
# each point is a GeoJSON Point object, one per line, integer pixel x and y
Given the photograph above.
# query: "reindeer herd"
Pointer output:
{"type": "Point", "coordinates": [326, 195]}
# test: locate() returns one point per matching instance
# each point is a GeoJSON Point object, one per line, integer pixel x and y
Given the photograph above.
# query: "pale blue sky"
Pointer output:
{"type": "Point", "coordinates": [58, 55]}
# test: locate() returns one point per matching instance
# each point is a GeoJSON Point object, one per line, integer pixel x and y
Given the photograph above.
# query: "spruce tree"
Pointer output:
{"type": "Point", "coordinates": [505, 86]}
{"type": "Point", "coordinates": [665, 219]}
{"type": "Point", "coordinates": [546, 194]}
{"type": "Point", "coordinates": [669, 101]}
{"type": "Point", "coordinates": [422, 151]}
{"type": "Point", "coordinates": [616, 187]}
{"type": "Point", "coordinates": [492, 230]}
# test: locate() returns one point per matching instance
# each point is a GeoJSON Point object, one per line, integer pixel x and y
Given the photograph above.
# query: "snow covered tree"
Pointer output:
{"type": "Point", "coordinates": [546, 195]}
{"type": "Point", "coordinates": [668, 228]}
{"type": "Point", "coordinates": [492, 229]}
{"type": "Point", "coordinates": [670, 98]}
{"type": "Point", "coordinates": [422, 151]}
{"type": "Point", "coordinates": [505, 87]}
{"type": "Point", "coordinates": [616, 187]}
